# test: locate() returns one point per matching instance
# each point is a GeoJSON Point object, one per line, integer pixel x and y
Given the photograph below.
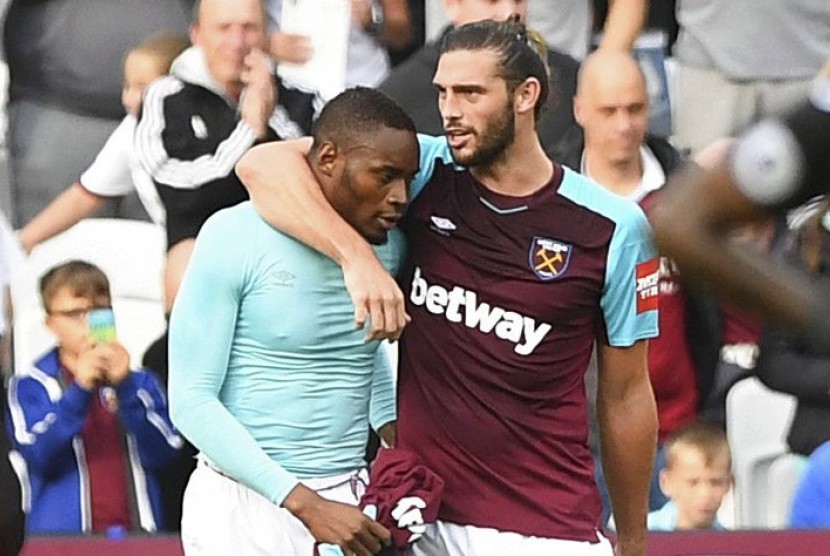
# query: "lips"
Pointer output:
{"type": "Point", "coordinates": [389, 221]}
{"type": "Point", "coordinates": [457, 137]}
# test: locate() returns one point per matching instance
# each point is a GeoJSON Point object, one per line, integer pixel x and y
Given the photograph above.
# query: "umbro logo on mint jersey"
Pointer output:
{"type": "Point", "coordinates": [442, 225]}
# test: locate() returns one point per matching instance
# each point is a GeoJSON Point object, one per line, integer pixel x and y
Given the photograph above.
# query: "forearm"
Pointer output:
{"type": "Point", "coordinates": [623, 24]}
{"type": "Point", "coordinates": [691, 223]}
{"type": "Point", "coordinates": [66, 210]}
{"type": "Point", "coordinates": [291, 200]}
{"type": "Point", "coordinates": [382, 406]}
{"type": "Point", "coordinates": [396, 32]}
{"type": "Point", "coordinates": [628, 431]}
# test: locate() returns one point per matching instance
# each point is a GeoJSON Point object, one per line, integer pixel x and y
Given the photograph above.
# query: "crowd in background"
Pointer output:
{"type": "Point", "coordinates": [87, 135]}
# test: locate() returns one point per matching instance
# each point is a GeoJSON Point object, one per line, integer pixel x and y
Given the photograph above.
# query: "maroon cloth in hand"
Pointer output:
{"type": "Point", "coordinates": [396, 474]}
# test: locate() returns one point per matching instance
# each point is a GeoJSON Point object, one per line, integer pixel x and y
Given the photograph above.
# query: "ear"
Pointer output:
{"type": "Point", "coordinates": [48, 321]}
{"type": "Point", "coordinates": [579, 111]}
{"type": "Point", "coordinates": [327, 158]}
{"type": "Point", "coordinates": [526, 95]}
{"type": "Point", "coordinates": [665, 482]}
{"type": "Point", "coordinates": [193, 33]}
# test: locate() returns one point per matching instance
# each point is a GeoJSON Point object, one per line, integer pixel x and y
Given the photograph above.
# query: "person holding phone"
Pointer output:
{"type": "Point", "coordinates": [91, 430]}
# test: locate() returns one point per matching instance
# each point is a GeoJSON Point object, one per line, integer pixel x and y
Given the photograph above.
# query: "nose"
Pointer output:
{"type": "Point", "coordinates": [398, 193]}
{"type": "Point", "coordinates": [449, 106]}
{"type": "Point", "coordinates": [237, 38]}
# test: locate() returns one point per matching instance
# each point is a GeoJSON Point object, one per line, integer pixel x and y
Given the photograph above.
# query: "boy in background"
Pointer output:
{"type": "Point", "coordinates": [91, 430]}
{"type": "Point", "coordinates": [697, 476]}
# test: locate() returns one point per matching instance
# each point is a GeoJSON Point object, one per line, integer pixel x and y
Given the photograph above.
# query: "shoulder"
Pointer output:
{"type": "Point", "coordinates": [663, 519]}
{"type": "Point", "coordinates": [665, 153]}
{"type": "Point", "coordinates": [595, 198]}
{"type": "Point", "coordinates": [162, 88]}
{"type": "Point", "coordinates": [562, 62]}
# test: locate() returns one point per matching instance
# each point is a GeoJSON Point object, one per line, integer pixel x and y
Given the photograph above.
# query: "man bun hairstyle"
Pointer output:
{"type": "Point", "coordinates": [522, 51]}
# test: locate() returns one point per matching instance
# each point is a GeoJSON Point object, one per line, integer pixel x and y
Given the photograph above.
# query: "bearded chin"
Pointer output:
{"type": "Point", "coordinates": [493, 143]}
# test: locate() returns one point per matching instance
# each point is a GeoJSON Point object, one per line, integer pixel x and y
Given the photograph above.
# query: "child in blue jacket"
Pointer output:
{"type": "Point", "coordinates": [92, 431]}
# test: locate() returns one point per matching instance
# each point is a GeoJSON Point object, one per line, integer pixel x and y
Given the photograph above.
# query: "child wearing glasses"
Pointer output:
{"type": "Point", "coordinates": [91, 430]}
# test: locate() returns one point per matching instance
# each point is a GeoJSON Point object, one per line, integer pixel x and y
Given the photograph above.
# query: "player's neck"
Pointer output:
{"type": "Point", "coordinates": [522, 170]}
{"type": "Point", "coordinates": [620, 177]}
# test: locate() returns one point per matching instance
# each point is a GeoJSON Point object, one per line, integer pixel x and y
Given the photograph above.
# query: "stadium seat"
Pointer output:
{"type": "Point", "coordinates": [757, 421]}
{"type": "Point", "coordinates": [130, 252]}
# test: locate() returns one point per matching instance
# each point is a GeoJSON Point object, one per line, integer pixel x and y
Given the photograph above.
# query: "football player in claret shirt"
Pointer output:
{"type": "Point", "coordinates": [517, 265]}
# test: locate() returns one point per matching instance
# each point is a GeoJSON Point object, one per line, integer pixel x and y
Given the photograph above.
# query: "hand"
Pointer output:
{"type": "Point", "coordinates": [375, 294]}
{"type": "Point", "coordinates": [260, 94]}
{"type": "Point", "coordinates": [335, 523]}
{"type": "Point", "coordinates": [116, 362]}
{"type": "Point", "coordinates": [290, 47]}
{"type": "Point", "coordinates": [89, 370]}
{"type": "Point", "coordinates": [389, 433]}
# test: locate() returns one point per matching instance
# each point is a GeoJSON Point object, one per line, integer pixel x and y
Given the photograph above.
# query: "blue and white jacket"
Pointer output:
{"type": "Point", "coordinates": [45, 418]}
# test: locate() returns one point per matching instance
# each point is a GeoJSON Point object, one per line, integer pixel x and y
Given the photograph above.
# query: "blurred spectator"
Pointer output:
{"type": "Point", "coordinates": [740, 330]}
{"type": "Point", "coordinates": [12, 519]}
{"type": "Point", "coordinates": [811, 501]}
{"type": "Point", "coordinates": [377, 26]}
{"type": "Point", "coordinates": [785, 361]}
{"type": "Point", "coordinates": [173, 478]}
{"type": "Point", "coordinates": [611, 105]}
{"type": "Point", "coordinates": [410, 83]}
{"type": "Point", "coordinates": [567, 25]}
{"type": "Point", "coordinates": [219, 99]}
{"type": "Point", "coordinates": [697, 476]}
{"type": "Point", "coordinates": [741, 60]}
{"type": "Point", "coordinates": [92, 432]}
{"type": "Point", "coordinates": [114, 172]}
{"type": "Point", "coordinates": [64, 61]}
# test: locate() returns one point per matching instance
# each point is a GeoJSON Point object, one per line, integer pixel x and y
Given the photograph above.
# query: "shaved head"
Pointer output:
{"type": "Point", "coordinates": [606, 69]}
{"type": "Point", "coordinates": [611, 105]}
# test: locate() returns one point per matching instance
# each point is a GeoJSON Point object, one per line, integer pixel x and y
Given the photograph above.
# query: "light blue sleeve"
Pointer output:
{"type": "Point", "coordinates": [201, 333]}
{"type": "Point", "coordinates": [629, 297]}
{"type": "Point", "coordinates": [432, 149]}
{"type": "Point", "coordinates": [382, 405]}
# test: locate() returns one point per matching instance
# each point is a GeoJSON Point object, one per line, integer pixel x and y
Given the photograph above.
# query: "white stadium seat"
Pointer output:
{"type": "Point", "coordinates": [130, 252]}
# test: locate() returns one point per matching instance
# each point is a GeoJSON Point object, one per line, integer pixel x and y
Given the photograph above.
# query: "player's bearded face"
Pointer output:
{"type": "Point", "coordinates": [492, 137]}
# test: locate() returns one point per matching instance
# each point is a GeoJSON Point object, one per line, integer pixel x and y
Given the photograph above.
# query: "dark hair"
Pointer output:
{"type": "Point", "coordinates": [84, 279]}
{"type": "Point", "coordinates": [522, 51]}
{"type": "Point", "coordinates": [356, 112]}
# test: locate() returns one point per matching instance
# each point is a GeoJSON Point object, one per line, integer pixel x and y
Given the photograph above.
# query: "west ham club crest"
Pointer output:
{"type": "Point", "coordinates": [549, 258]}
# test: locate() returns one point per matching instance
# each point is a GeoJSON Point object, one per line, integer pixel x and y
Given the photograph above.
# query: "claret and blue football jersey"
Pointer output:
{"type": "Point", "coordinates": [507, 296]}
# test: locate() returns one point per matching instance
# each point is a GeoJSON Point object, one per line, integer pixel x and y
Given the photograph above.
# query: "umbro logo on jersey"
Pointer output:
{"type": "Point", "coordinates": [549, 258]}
{"type": "Point", "coordinates": [199, 127]}
{"type": "Point", "coordinates": [461, 306]}
{"type": "Point", "coordinates": [442, 225]}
